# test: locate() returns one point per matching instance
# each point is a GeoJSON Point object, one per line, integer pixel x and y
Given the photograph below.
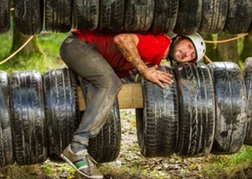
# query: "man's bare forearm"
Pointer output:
{"type": "Point", "coordinates": [128, 47]}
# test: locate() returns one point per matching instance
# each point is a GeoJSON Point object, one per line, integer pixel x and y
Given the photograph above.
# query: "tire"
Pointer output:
{"type": "Point", "coordinates": [111, 15]}
{"type": "Point", "coordinates": [239, 16]}
{"type": "Point", "coordinates": [58, 15]}
{"type": "Point", "coordinates": [86, 14]}
{"type": "Point", "coordinates": [62, 111]}
{"type": "Point", "coordinates": [105, 147]}
{"type": "Point", "coordinates": [231, 119]}
{"type": "Point", "coordinates": [138, 15]}
{"type": "Point", "coordinates": [165, 16]}
{"type": "Point", "coordinates": [4, 16]}
{"type": "Point", "coordinates": [189, 17]}
{"type": "Point", "coordinates": [250, 28]}
{"type": "Point", "coordinates": [28, 16]}
{"type": "Point", "coordinates": [248, 83]}
{"type": "Point", "coordinates": [197, 110]}
{"type": "Point", "coordinates": [157, 122]}
{"type": "Point", "coordinates": [28, 118]}
{"type": "Point", "coordinates": [214, 15]}
{"type": "Point", "coordinates": [6, 148]}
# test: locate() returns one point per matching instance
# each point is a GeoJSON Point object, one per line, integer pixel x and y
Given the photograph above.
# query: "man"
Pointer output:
{"type": "Point", "coordinates": [104, 58]}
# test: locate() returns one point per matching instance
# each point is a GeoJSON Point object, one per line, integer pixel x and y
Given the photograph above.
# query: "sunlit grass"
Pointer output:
{"type": "Point", "coordinates": [49, 44]}
{"type": "Point", "coordinates": [224, 165]}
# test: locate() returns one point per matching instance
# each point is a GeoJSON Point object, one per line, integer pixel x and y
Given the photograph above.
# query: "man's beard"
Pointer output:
{"type": "Point", "coordinates": [172, 50]}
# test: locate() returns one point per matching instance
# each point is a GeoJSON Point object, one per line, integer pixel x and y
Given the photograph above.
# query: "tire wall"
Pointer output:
{"type": "Point", "coordinates": [248, 82]}
{"type": "Point", "coordinates": [62, 112]}
{"type": "Point", "coordinates": [197, 110]}
{"type": "Point", "coordinates": [6, 148]}
{"type": "Point", "coordinates": [158, 16]}
{"type": "Point", "coordinates": [231, 119]}
{"type": "Point", "coordinates": [27, 117]}
{"type": "Point", "coordinates": [157, 122]}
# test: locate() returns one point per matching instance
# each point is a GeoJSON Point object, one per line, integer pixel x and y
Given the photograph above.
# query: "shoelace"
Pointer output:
{"type": "Point", "coordinates": [89, 163]}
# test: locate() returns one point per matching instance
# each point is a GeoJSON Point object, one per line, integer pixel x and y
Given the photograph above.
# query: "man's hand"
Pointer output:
{"type": "Point", "coordinates": [157, 76]}
{"type": "Point", "coordinates": [127, 44]}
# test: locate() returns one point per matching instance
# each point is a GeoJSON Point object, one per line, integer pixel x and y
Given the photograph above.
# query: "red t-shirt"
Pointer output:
{"type": "Point", "coordinates": [151, 49]}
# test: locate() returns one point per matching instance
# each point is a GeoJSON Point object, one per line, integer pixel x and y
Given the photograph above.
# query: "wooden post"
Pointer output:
{"type": "Point", "coordinates": [129, 97]}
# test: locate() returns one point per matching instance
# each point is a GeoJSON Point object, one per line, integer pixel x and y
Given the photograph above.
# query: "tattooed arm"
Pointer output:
{"type": "Point", "coordinates": [127, 44]}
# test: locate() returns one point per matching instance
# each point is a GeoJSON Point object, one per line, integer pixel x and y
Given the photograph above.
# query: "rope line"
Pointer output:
{"type": "Point", "coordinates": [222, 41]}
{"type": "Point", "coordinates": [8, 58]}
{"type": "Point", "coordinates": [207, 58]}
{"type": "Point", "coordinates": [227, 40]}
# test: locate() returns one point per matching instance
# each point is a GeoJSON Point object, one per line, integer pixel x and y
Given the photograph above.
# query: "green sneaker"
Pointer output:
{"type": "Point", "coordinates": [81, 162]}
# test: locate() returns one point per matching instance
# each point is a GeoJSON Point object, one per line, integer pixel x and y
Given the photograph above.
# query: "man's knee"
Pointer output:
{"type": "Point", "coordinates": [115, 84]}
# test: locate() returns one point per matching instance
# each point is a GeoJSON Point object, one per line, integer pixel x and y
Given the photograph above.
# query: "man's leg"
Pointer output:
{"type": "Point", "coordinates": [102, 91]}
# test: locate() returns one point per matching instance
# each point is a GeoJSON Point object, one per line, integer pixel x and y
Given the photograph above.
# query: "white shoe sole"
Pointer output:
{"type": "Point", "coordinates": [72, 165]}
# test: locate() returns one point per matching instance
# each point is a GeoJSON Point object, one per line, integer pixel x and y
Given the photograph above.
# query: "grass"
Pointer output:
{"type": "Point", "coordinates": [49, 44]}
{"type": "Point", "coordinates": [226, 165]}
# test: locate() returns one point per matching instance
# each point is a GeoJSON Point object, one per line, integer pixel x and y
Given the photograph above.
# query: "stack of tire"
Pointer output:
{"type": "Point", "coordinates": [179, 16]}
{"type": "Point", "coordinates": [206, 110]}
{"type": "Point", "coordinates": [39, 114]}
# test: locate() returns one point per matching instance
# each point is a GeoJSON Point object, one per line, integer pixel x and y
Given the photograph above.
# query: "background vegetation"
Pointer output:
{"type": "Point", "coordinates": [231, 166]}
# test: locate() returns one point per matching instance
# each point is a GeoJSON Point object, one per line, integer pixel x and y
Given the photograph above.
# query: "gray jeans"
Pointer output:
{"type": "Point", "coordinates": [103, 87]}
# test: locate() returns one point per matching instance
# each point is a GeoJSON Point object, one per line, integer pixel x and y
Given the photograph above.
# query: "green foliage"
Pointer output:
{"type": "Point", "coordinates": [244, 155]}
{"type": "Point", "coordinates": [226, 164]}
{"type": "Point", "coordinates": [49, 44]}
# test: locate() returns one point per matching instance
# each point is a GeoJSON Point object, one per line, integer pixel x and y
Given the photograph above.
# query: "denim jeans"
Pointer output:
{"type": "Point", "coordinates": [103, 87]}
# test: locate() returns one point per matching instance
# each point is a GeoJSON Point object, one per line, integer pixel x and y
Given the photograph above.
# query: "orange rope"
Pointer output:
{"type": "Point", "coordinates": [227, 40]}
{"type": "Point", "coordinates": [17, 51]}
{"type": "Point", "coordinates": [222, 41]}
{"type": "Point", "coordinates": [207, 58]}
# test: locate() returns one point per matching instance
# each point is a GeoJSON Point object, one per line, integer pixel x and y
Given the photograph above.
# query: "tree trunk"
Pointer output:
{"type": "Point", "coordinates": [32, 48]}
{"type": "Point", "coordinates": [229, 50]}
{"type": "Point", "coordinates": [211, 49]}
{"type": "Point", "coordinates": [247, 51]}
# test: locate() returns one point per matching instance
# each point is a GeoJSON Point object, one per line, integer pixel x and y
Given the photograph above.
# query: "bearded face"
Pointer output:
{"type": "Point", "coordinates": [182, 50]}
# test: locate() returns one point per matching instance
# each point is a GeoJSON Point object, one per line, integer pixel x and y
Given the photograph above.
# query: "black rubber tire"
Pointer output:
{"type": "Point", "coordinates": [197, 110]}
{"type": "Point", "coordinates": [239, 16]}
{"type": "Point", "coordinates": [138, 15]}
{"type": "Point", "coordinates": [158, 121]}
{"type": "Point", "coordinates": [4, 16]}
{"type": "Point", "coordinates": [105, 147]}
{"type": "Point", "coordinates": [165, 16]}
{"type": "Point", "coordinates": [214, 15]}
{"type": "Point", "coordinates": [29, 16]}
{"type": "Point", "coordinates": [6, 147]}
{"type": "Point", "coordinates": [189, 17]}
{"type": "Point", "coordinates": [58, 15]}
{"type": "Point", "coordinates": [250, 28]}
{"type": "Point", "coordinates": [231, 119]}
{"type": "Point", "coordinates": [111, 15]}
{"type": "Point", "coordinates": [62, 111]}
{"type": "Point", "coordinates": [28, 118]}
{"type": "Point", "coordinates": [86, 14]}
{"type": "Point", "coordinates": [248, 83]}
